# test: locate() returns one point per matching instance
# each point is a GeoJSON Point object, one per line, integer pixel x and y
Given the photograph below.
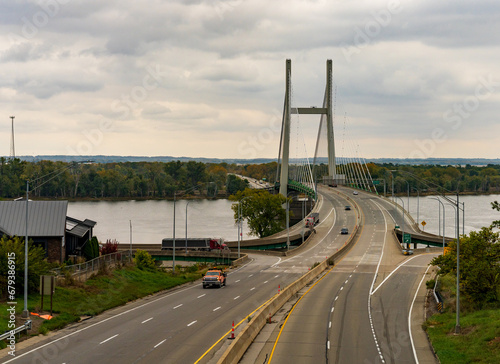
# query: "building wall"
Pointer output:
{"type": "Point", "coordinates": [54, 250]}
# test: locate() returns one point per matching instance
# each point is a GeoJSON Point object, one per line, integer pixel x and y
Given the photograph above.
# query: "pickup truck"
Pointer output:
{"type": "Point", "coordinates": [214, 277]}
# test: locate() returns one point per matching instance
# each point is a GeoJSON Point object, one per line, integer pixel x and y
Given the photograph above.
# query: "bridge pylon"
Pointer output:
{"type": "Point", "coordinates": [326, 111]}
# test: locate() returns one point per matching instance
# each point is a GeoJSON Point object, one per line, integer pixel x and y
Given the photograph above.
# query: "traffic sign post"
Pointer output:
{"type": "Point", "coordinates": [407, 240]}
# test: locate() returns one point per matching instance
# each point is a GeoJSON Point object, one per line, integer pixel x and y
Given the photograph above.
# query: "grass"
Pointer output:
{"type": "Point", "coordinates": [98, 294]}
{"type": "Point", "coordinates": [479, 341]}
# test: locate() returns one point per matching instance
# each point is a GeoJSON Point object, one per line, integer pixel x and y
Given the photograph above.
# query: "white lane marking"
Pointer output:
{"type": "Point", "coordinates": [201, 295]}
{"type": "Point", "coordinates": [276, 276]}
{"type": "Point", "coordinates": [117, 315]}
{"type": "Point", "coordinates": [330, 325]}
{"type": "Point", "coordinates": [192, 323]}
{"type": "Point", "coordinates": [251, 289]}
{"type": "Point", "coordinates": [146, 320]}
{"type": "Point", "coordinates": [383, 246]}
{"type": "Point", "coordinates": [346, 281]}
{"type": "Point", "coordinates": [333, 308]}
{"type": "Point", "coordinates": [161, 342]}
{"type": "Point", "coordinates": [390, 274]}
{"type": "Point", "coordinates": [109, 338]}
{"type": "Point", "coordinates": [217, 308]}
{"type": "Point", "coordinates": [250, 275]}
{"type": "Point", "coordinates": [266, 282]}
{"type": "Point", "coordinates": [409, 315]}
{"type": "Point", "coordinates": [336, 298]}
{"type": "Point", "coordinates": [235, 298]}
{"type": "Point", "coordinates": [177, 306]}
{"type": "Point", "coordinates": [328, 344]}
{"type": "Point", "coordinates": [275, 264]}
{"type": "Point", "coordinates": [341, 288]}
{"type": "Point", "coordinates": [237, 281]}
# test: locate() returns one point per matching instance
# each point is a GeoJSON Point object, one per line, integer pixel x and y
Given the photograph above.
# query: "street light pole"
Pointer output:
{"type": "Point", "coordinates": [130, 221]}
{"type": "Point", "coordinates": [403, 230]}
{"type": "Point", "coordinates": [26, 313]}
{"type": "Point", "coordinates": [173, 250]}
{"type": "Point", "coordinates": [408, 192]}
{"type": "Point", "coordinates": [418, 206]}
{"type": "Point", "coordinates": [444, 219]}
{"type": "Point", "coordinates": [187, 204]}
{"type": "Point", "coordinates": [392, 179]}
{"type": "Point", "coordinates": [240, 226]}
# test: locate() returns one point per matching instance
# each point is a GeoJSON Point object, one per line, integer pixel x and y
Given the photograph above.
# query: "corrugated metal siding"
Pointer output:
{"type": "Point", "coordinates": [45, 218]}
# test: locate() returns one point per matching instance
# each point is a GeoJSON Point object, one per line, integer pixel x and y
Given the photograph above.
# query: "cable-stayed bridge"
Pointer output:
{"type": "Point", "coordinates": [325, 166]}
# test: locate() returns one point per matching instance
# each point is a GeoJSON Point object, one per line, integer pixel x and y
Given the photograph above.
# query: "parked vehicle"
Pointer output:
{"type": "Point", "coordinates": [312, 220]}
{"type": "Point", "coordinates": [204, 244]}
{"type": "Point", "coordinates": [214, 277]}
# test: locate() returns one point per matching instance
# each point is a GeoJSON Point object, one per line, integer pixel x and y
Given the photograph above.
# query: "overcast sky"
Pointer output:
{"type": "Point", "coordinates": [206, 78]}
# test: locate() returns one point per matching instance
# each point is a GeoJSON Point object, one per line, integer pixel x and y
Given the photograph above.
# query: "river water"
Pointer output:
{"type": "Point", "coordinates": [152, 220]}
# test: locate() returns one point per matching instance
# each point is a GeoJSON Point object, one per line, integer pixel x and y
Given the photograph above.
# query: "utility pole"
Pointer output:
{"type": "Point", "coordinates": [12, 146]}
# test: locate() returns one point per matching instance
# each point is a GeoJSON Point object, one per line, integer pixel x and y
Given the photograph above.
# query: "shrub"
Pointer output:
{"type": "Point", "coordinates": [91, 249]}
{"type": "Point", "coordinates": [143, 260]}
{"type": "Point", "coordinates": [111, 246]}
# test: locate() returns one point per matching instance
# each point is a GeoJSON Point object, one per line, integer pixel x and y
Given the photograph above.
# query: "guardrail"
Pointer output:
{"type": "Point", "coordinates": [16, 331]}
{"type": "Point", "coordinates": [437, 296]}
{"type": "Point", "coordinates": [93, 265]}
{"type": "Point", "coordinates": [239, 346]}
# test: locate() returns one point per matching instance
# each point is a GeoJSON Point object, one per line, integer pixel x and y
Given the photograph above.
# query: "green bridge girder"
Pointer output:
{"type": "Point", "coordinates": [299, 187]}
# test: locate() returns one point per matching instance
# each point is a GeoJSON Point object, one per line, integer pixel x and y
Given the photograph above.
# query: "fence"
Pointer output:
{"type": "Point", "coordinates": [82, 271]}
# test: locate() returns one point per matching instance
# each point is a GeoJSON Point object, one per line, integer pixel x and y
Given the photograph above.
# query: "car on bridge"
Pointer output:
{"type": "Point", "coordinates": [214, 277]}
{"type": "Point", "coordinates": [344, 231]}
{"type": "Point", "coordinates": [355, 193]}
{"type": "Point", "coordinates": [347, 208]}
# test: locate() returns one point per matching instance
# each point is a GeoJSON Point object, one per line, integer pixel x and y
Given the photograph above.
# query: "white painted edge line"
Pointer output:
{"type": "Point", "coordinates": [109, 338]}
{"type": "Point", "coordinates": [178, 306]}
{"type": "Point", "coordinates": [235, 298]}
{"type": "Point", "coordinates": [390, 274]}
{"type": "Point", "coordinates": [409, 315]}
{"type": "Point", "coordinates": [192, 323]}
{"type": "Point", "coordinates": [383, 247]}
{"type": "Point", "coordinates": [217, 308]}
{"type": "Point", "coordinates": [201, 295]}
{"type": "Point", "coordinates": [161, 342]}
{"type": "Point", "coordinates": [146, 320]}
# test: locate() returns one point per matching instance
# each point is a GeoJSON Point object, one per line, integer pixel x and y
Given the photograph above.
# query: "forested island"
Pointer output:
{"type": "Point", "coordinates": [146, 180]}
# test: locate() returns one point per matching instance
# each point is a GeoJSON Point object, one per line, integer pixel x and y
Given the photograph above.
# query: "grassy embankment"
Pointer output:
{"type": "Point", "coordinates": [479, 341]}
{"type": "Point", "coordinates": [99, 293]}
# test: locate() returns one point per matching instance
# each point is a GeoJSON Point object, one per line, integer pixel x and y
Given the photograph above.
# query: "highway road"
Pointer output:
{"type": "Point", "coordinates": [178, 326]}
{"type": "Point", "coordinates": [353, 314]}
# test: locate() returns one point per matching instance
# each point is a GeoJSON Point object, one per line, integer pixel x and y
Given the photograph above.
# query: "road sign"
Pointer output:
{"type": "Point", "coordinates": [407, 239]}
{"type": "Point", "coordinates": [376, 182]}
{"type": "Point", "coordinates": [424, 223]}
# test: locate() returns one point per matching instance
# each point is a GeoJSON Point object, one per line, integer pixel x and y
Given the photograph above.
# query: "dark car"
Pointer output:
{"type": "Point", "coordinates": [344, 231]}
{"type": "Point", "coordinates": [347, 208]}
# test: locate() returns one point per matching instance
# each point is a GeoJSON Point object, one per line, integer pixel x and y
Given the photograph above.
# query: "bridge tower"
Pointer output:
{"type": "Point", "coordinates": [325, 111]}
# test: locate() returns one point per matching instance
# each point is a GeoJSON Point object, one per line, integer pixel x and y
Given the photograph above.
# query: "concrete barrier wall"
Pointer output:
{"type": "Point", "coordinates": [239, 346]}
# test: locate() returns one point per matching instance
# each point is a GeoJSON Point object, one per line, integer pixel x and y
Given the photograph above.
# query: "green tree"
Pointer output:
{"type": "Point", "coordinates": [479, 268]}
{"type": "Point", "coordinates": [263, 211]}
{"type": "Point", "coordinates": [37, 264]}
{"type": "Point", "coordinates": [235, 184]}
{"type": "Point", "coordinates": [91, 249]}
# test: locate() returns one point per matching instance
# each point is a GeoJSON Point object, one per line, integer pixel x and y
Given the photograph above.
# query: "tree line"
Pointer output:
{"type": "Point", "coordinates": [54, 179]}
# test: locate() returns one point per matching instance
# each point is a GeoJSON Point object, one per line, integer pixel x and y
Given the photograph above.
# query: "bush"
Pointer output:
{"type": "Point", "coordinates": [430, 284]}
{"type": "Point", "coordinates": [91, 249]}
{"type": "Point", "coordinates": [143, 260]}
{"type": "Point", "coordinates": [111, 246]}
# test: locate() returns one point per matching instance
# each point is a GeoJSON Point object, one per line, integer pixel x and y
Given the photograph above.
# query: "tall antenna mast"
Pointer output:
{"type": "Point", "coordinates": [12, 147]}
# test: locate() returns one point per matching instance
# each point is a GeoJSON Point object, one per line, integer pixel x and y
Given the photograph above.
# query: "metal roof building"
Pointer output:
{"type": "Point", "coordinates": [48, 226]}
{"type": "Point", "coordinates": [45, 218]}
